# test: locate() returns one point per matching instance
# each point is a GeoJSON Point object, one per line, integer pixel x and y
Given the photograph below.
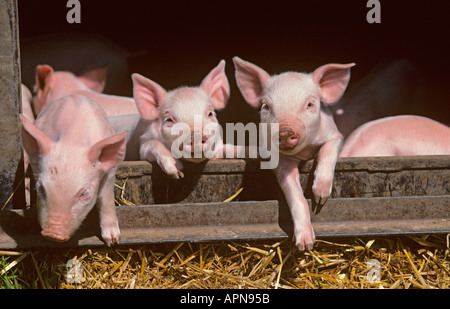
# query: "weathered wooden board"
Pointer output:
{"type": "Point", "coordinates": [11, 167]}
{"type": "Point", "coordinates": [219, 179]}
{"type": "Point", "coordinates": [240, 220]}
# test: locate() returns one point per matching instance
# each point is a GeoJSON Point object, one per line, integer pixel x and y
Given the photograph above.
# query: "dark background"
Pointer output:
{"type": "Point", "coordinates": [179, 42]}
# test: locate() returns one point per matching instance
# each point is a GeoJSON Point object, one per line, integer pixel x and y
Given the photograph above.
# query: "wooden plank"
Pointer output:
{"type": "Point", "coordinates": [240, 221]}
{"type": "Point", "coordinates": [11, 167]}
{"type": "Point", "coordinates": [219, 179]}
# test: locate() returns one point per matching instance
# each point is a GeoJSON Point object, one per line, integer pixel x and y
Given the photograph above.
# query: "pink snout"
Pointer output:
{"type": "Point", "coordinates": [197, 142]}
{"type": "Point", "coordinates": [55, 233]}
{"type": "Point", "coordinates": [288, 138]}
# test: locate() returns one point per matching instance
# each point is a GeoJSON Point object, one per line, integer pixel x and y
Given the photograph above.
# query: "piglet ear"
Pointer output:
{"type": "Point", "coordinates": [251, 81]}
{"type": "Point", "coordinates": [44, 73]}
{"type": "Point", "coordinates": [147, 95]}
{"type": "Point", "coordinates": [34, 141]}
{"type": "Point", "coordinates": [108, 152]}
{"type": "Point", "coordinates": [216, 85]}
{"type": "Point", "coordinates": [332, 80]}
{"type": "Point", "coordinates": [95, 79]}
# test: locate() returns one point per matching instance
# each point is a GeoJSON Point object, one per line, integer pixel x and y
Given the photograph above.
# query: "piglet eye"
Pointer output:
{"type": "Point", "coordinates": [168, 120]}
{"type": "Point", "coordinates": [265, 107]}
{"type": "Point", "coordinates": [211, 114]}
{"type": "Point", "coordinates": [84, 193]}
{"type": "Point", "coordinates": [41, 190]}
{"type": "Point", "coordinates": [310, 104]}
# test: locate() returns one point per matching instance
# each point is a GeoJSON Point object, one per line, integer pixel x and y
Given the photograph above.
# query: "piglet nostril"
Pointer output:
{"type": "Point", "coordinates": [285, 132]}
{"type": "Point", "coordinates": [288, 138]}
{"type": "Point", "coordinates": [293, 140]}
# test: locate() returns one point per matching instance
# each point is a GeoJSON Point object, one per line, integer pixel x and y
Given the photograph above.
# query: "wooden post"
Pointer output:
{"type": "Point", "coordinates": [11, 164]}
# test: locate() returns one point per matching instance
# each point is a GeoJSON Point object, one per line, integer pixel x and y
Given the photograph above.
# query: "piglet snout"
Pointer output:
{"type": "Point", "coordinates": [197, 142]}
{"type": "Point", "coordinates": [55, 234]}
{"type": "Point", "coordinates": [288, 138]}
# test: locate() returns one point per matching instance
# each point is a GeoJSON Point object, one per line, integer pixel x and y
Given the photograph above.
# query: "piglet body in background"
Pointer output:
{"type": "Point", "coordinates": [151, 135]}
{"type": "Point", "coordinates": [52, 85]}
{"type": "Point", "coordinates": [390, 89]}
{"type": "Point", "coordinates": [74, 153]}
{"type": "Point", "coordinates": [77, 53]}
{"type": "Point", "coordinates": [398, 136]}
{"type": "Point", "coordinates": [297, 102]}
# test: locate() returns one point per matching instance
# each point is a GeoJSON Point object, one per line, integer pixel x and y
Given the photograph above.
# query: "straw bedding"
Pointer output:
{"type": "Point", "coordinates": [405, 262]}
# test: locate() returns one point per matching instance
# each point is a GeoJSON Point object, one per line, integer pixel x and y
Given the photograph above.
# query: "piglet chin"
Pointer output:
{"type": "Point", "coordinates": [54, 233]}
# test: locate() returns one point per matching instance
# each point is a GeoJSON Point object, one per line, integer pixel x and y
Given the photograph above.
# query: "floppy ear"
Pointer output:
{"type": "Point", "coordinates": [147, 95]}
{"type": "Point", "coordinates": [95, 79]}
{"type": "Point", "coordinates": [34, 141]}
{"type": "Point", "coordinates": [251, 80]}
{"type": "Point", "coordinates": [216, 85]}
{"type": "Point", "coordinates": [109, 152]}
{"type": "Point", "coordinates": [332, 80]}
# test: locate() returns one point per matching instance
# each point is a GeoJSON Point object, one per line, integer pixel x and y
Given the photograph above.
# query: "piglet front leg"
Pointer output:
{"type": "Point", "coordinates": [109, 223]}
{"type": "Point", "coordinates": [324, 173]}
{"type": "Point", "coordinates": [288, 178]}
{"type": "Point", "coordinates": [154, 150]}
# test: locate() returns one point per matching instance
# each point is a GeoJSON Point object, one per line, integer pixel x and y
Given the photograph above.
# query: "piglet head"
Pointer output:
{"type": "Point", "coordinates": [68, 177]}
{"type": "Point", "coordinates": [52, 85]}
{"type": "Point", "coordinates": [293, 100]}
{"type": "Point", "coordinates": [185, 116]}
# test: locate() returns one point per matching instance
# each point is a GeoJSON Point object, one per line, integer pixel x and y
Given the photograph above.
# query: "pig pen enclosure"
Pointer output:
{"type": "Point", "coordinates": [226, 224]}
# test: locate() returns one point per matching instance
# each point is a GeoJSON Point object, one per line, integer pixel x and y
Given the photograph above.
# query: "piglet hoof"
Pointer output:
{"type": "Point", "coordinates": [111, 235]}
{"type": "Point", "coordinates": [172, 167]}
{"type": "Point", "coordinates": [176, 175]}
{"type": "Point", "coordinates": [322, 190]}
{"type": "Point", "coordinates": [304, 239]}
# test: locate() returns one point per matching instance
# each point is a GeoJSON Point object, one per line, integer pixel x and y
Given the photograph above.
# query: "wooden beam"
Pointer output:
{"type": "Point", "coordinates": [11, 167]}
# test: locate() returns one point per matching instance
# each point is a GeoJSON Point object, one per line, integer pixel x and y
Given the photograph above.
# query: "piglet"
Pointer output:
{"type": "Point", "coordinates": [75, 52]}
{"type": "Point", "coordinates": [154, 135]}
{"type": "Point", "coordinates": [74, 154]}
{"type": "Point", "coordinates": [298, 103]}
{"type": "Point", "coordinates": [52, 85]}
{"type": "Point", "coordinates": [398, 136]}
